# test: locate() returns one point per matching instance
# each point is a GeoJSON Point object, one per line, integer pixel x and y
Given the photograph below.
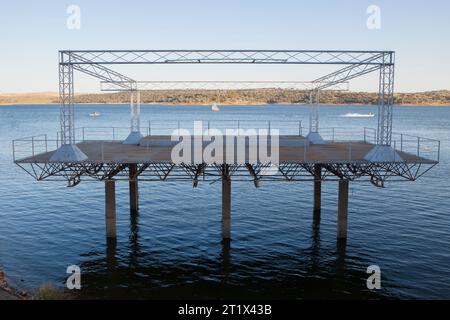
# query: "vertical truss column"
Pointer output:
{"type": "Point", "coordinates": [66, 99]}
{"type": "Point", "coordinates": [313, 135]}
{"type": "Point", "coordinates": [386, 100]}
{"type": "Point", "coordinates": [383, 152]}
{"type": "Point", "coordinates": [68, 151]}
{"type": "Point", "coordinates": [314, 112]}
{"type": "Point", "coordinates": [136, 112]}
{"type": "Point", "coordinates": [135, 135]}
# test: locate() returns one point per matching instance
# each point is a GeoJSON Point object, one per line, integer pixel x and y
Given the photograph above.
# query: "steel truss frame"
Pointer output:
{"type": "Point", "coordinates": [312, 86]}
{"type": "Point", "coordinates": [356, 63]}
{"type": "Point", "coordinates": [377, 173]}
{"type": "Point", "coordinates": [135, 110]}
{"type": "Point", "coordinates": [344, 57]}
{"type": "Point", "coordinates": [221, 85]}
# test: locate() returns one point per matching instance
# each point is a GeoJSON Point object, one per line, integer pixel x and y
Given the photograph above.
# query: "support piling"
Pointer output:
{"type": "Point", "coordinates": [226, 205]}
{"type": "Point", "coordinates": [342, 210]}
{"type": "Point", "coordinates": [317, 193]}
{"type": "Point", "coordinates": [110, 208]}
{"type": "Point", "coordinates": [134, 189]}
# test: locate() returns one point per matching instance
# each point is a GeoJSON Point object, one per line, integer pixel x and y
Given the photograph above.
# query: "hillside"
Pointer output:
{"type": "Point", "coordinates": [235, 97]}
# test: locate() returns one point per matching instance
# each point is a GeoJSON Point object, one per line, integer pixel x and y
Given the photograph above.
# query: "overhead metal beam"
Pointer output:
{"type": "Point", "coordinates": [220, 85]}
{"type": "Point", "coordinates": [351, 71]}
{"type": "Point", "coordinates": [99, 71]}
{"type": "Point", "coordinates": [343, 75]}
{"type": "Point", "coordinates": [344, 57]}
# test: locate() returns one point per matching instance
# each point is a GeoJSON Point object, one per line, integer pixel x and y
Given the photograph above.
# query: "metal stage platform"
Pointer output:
{"type": "Point", "coordinates": [338, 159]}
{"type": "Point", "coordinates": [144, 154]}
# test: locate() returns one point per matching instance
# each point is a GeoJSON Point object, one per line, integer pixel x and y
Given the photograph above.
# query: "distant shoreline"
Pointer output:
{"type": "Point", "coordinates": [241, 97]}
{"type": "Point", "coordinates": [224, 104]}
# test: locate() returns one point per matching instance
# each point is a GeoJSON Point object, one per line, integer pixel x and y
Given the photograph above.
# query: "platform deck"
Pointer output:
{"type": "Point", "coordinates": [116, 152]}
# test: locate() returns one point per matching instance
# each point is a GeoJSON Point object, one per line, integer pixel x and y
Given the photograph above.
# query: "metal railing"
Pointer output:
{"type": "Point", "coordinates": [30, 146]}
{"type": "Point", "coordinates": [418, 146]}
{"type": "Point", "coordinates": [285, 127]}
{"type": "Point", "coordinates": [98, 133]}
{"type": "Point", "coordinates": [339, 134]}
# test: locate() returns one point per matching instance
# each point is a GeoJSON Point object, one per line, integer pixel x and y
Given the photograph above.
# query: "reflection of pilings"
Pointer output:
{"type": "Point", "coordinates": [317, 207]}
{"type": "Point", "coordinates": [111, 250]}
{"type": "Point", "coordinates": [134, 191]}
{"type": "Point", "coordinates": [317, 192]}
{"type": "Point", "coordinates": [110, 208]}
{"type": "Point", "coordinates": [111, 260]}
{"type": "Point", "coordinates": [316, 232]}
{"type": "Point", "coordinates": [342, 227]}
{"type": "Point", "coordinates": [342, 210]}
{"type": "Point", "coordinates": [134, 238]}
{"type": "Point", "coordinates": [225, 261]}
{"type": "Point", "coordinates": [341, 247]}
{"type": "Point", "coordinates": [226, 203]}
{"type": "Point", "coordinates": [315, 245]}
{"type": "Point", "coordinates": [225, 255]}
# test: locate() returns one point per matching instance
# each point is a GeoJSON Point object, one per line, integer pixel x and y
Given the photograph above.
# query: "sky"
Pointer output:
{"type": "Point", "coordinates": [32, 32]}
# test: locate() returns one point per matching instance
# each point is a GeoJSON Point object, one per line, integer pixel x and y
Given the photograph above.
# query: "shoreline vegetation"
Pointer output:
{"type": "Point", "coordinates": [233, 97]}
{"type": "Point", "coordinates": [44, 292]}
{"type": "Point", "coordinates": [8, 293]}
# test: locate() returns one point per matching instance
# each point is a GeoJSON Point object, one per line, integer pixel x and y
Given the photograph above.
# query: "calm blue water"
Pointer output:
{"type": "Point", "coordinates": [173, 249]}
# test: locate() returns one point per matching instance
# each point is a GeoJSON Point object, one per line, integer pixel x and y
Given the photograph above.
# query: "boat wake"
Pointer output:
{"type": "Point", "coordinates": [358, 115]}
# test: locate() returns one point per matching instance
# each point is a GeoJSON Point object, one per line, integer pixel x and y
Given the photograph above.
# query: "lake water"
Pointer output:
{"type": "Point", "coordinates": [173, 248]}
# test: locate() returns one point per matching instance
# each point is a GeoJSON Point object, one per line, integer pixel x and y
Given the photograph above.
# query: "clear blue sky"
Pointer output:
{"type": "Point", "coordinates": [31, 33]}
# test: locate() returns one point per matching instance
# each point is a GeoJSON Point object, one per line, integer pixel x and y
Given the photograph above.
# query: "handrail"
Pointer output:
{"type": "Point", "coordinates": [230, 124]}
{"type": "Point", "coordinates": [423, 147]}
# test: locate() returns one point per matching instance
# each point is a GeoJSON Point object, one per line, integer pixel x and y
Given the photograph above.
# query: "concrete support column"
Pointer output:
{"type": "Point", "coordinates": [134, 191]}
{"type": "Point", "coordinates": [317, 192]}
{"type": "Point", "coordinates": [342, 210]}
{"type": "Point", "coordinates": [226, 208]}
{"type": "Point", "coordinates": [110, 208]}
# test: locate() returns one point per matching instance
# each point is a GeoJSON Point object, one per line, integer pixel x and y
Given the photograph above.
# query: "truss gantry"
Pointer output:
{"type": "Point", "coordinates": [353, 64]}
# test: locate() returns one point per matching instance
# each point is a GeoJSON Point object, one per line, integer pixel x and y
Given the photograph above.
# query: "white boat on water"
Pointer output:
{"type": "Point", "coordinates": [95, 114]}
{"type": "Point", "coordinates": [358, 115]}
{"type": "Point", "coordinates": [214, 107]}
